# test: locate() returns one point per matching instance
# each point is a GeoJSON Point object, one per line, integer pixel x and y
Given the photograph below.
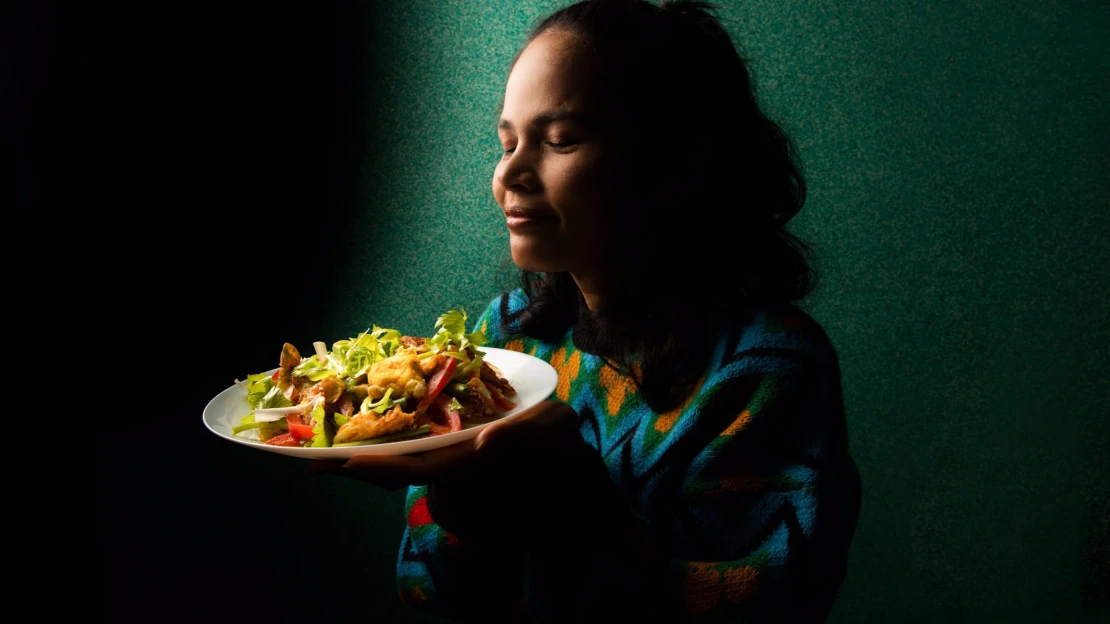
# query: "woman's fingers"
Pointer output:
{"type": "Point", "coordinates": [325, 466]}
{"type": "Point", "coordinates": [390, 479]}
{"type": "Point", "coordinates": [546, 423]}
{"type": "Point", "coordinates": [446, 463]}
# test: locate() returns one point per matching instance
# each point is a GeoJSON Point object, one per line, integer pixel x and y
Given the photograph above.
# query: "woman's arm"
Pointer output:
{"type": "Point", "coordinates": [617, 573]}
{"type": "Point", "coordinates": [456, 578]}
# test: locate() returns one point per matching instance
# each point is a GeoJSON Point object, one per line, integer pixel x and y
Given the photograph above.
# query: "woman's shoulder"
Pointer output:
{"type": "Point", "coordinates": [778, 336]}
{"type": "Point", "coordinates": [495, 322]}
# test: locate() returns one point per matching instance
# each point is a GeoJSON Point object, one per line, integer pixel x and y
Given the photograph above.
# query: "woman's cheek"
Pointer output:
{"type": "Point", "coordinates": [585, 188]}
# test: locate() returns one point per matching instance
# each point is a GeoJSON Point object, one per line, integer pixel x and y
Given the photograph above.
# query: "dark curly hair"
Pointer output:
{"type": "Point", "coordinates": [725, 179]}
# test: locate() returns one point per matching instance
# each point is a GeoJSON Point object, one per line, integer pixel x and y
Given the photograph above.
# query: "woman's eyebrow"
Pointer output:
{"type": "Point", "coordinates": [544, 118]}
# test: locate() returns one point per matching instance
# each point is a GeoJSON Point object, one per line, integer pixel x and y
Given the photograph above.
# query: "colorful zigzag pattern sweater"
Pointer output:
{"type": "Point", "coordinates": [748, 484]}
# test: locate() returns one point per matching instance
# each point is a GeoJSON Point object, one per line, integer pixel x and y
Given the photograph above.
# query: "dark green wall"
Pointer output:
{"type": "Point", "coordinates": [957, 161]}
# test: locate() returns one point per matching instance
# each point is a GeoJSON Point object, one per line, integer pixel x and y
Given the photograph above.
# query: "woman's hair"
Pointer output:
{"type": "Point", "coordinates": [719, 181]}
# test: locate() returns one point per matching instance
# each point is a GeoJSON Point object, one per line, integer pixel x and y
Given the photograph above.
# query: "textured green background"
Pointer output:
{"type": "Point", "coordinates": [327, 169]}
{"type": "Point", "coordinates": [958, 161]}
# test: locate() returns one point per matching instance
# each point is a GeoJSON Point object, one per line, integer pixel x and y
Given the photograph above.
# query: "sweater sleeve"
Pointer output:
{"type": "Point", "coordinates": [767, 503]}
{"type": "Point", "coordinates": [748, 497]}
{"type": "Point", "coordinates": [456, 578]}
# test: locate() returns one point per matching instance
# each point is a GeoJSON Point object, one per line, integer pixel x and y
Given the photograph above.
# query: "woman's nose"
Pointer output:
{"type": "Point", "coordinates": [517, 173]}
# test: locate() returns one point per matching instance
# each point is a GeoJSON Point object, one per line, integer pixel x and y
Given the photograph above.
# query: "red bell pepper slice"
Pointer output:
{"type": "Point", "coordinates": [438, 429]}
{"type": "Point", "coordinates": [284, 439]}
{"type": "Point", "coordinates": [438, 382]}
{"type": "Point", "coordinates": [454, 421]}
{"type": "Point", "coordinates": [298, 429]}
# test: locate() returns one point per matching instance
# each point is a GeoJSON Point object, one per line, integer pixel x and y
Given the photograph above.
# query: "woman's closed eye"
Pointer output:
{"type": "Point", "coordinates": [565, 144]}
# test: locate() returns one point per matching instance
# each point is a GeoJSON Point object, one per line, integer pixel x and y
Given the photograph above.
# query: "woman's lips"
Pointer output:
{"type": "Point", "coordinates": [520, 219]}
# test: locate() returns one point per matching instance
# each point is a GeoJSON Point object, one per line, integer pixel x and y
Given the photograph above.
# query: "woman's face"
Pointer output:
{"type": "Point", "coordinates": [555, 180]}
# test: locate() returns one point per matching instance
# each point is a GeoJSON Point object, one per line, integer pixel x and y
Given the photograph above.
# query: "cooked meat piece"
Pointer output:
{"type": "Point", "coordinates": [331, 388]}
{"type": "Point", "coordinates": [345, 405]}
{"type": "Point", "coordinates": [483, 398]}
{"type": "Point", "coordinates": [292, 393]}
{"type": "Point", "coordinates": [412, 342]}
{"type": "Point", "coordinates": [290, 357]}
{"type": "Point", "coordinates": [492, 376]}
{"type": "Point", "coordinates": [297, 388]}
{"type": "Point", "coordinates": [285, 382]}
{"type": "Point", "coordinates": [472, 405]}
{"type": "Point", "coordinates": [359, 392]}
{"type": "Point", "coordinates": [373, 425]}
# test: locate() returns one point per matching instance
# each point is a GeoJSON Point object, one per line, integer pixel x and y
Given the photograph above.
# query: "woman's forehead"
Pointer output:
{"type": "Point", "coordinates": [547, 77]}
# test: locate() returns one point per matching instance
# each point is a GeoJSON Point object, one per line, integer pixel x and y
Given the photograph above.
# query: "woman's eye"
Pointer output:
{"type": "Point", "coordinates": [563, 144]}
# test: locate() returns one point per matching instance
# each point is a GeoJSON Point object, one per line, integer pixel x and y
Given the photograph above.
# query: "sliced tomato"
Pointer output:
{"type": "Point", "coordinates": [298, 429]}
{"type": "Point", "coordinates": [438, 381]}
{"type": "Point", "coordinates": [276, 374]}
{"type": "Point", "coordinates": [285, 439]}
{"type": "Point", "coordinates": [454, 421]}
{"type": "Point", "coordinates": [439, 429]}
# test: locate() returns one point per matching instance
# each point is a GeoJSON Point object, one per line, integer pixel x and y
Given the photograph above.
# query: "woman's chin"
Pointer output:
{"type": "Point", "coordinates": [531, 255]}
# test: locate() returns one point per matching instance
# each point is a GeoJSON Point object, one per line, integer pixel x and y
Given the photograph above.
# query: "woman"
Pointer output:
{"type": "Point", "coordinates": [695, 464]}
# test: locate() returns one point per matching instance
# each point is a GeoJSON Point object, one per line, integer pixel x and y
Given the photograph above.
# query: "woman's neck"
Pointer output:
{"type": "Point", "coordinates": [598, 288]}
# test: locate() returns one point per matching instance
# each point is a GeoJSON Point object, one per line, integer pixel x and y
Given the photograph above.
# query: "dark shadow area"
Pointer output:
{"type": "Point", "coordinates": [218, 148]}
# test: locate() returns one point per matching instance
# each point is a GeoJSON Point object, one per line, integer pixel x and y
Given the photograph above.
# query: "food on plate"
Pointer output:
{"type": "Point", "coordinates": [377, 387]}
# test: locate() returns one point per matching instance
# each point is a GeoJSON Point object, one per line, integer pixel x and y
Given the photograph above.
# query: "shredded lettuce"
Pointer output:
{"type": "Point", "coordinates": [257, 387]}
{"type": "Point", "coordinates": [351, 358]}
{"type": "Point", "coordinates": [274, 398]}
{"type": "Point", "coordinates": [314, 370]}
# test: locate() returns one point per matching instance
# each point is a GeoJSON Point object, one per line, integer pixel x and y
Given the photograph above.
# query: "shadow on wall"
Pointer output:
{"type": "Point", "coordinates": [232, 127]}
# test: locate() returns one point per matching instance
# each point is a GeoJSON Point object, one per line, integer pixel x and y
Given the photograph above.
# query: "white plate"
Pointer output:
{"type": "Point", "coordinates": [533, 379]}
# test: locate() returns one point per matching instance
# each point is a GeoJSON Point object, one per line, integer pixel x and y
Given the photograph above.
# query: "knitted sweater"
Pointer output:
{"type": "Point", "coordinates": [748, 485]}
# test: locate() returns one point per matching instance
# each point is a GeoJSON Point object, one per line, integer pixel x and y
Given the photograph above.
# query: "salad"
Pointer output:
{"type": "Point", "coordinates": [377, 387]}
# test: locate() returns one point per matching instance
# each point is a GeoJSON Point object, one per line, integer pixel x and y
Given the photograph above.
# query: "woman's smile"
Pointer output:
{"type": "Point", "coordinates": [524, 218]}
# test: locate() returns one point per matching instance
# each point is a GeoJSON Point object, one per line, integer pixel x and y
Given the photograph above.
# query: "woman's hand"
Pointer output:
{"type": "Point", "coordinates": [547, 427]}
{"type": "Point", "coordinates": [550, 428]}
{"type": "Point", "coordinates": [527, 473]}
